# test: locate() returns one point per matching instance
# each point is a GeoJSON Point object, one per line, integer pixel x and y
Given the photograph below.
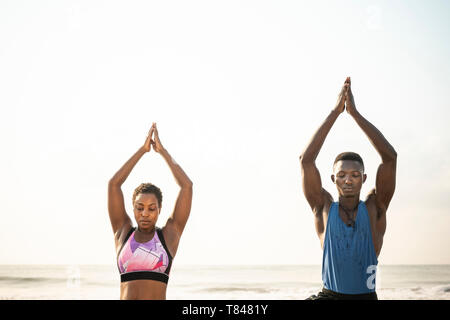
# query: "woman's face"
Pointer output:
{"type": "Point", "coordinates": [146, 211]}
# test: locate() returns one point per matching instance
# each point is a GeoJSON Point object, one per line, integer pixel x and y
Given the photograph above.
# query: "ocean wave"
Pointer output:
{"type": "Point", "coordinates": [442, 289]}
{"type": "Point", "coordinates": [31, 279]}
{"type": "Point", "coordinates": [441, 292]}
{"type": "Point", "coordinates": [235, 289]}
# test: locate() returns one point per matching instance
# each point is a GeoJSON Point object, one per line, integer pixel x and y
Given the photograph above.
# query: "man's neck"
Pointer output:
{"type": "Point", "coordinates": [349, 202]}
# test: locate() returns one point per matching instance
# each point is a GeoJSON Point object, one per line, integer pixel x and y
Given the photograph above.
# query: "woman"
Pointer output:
{"type": "Point", "coordinates": [145, 253]}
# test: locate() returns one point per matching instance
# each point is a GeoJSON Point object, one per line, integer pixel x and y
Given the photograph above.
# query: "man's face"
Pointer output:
{"type": "Point", "coordinates": [348, 175]}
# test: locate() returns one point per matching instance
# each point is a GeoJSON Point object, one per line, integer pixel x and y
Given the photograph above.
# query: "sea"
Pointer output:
{"type": "Point", "coordinates": [226, 282]}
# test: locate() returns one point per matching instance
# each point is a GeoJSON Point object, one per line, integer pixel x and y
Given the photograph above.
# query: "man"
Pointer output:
{"type": "Point", "coordinates": [350, 231]}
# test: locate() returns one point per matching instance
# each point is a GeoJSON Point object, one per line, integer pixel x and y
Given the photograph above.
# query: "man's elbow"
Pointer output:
{"type": "Point", "coordinates": [391, 157]}
{"type": "Point", "coordinates": [394, 154]}
{"type": "Point", "coordinates": [305, 160]}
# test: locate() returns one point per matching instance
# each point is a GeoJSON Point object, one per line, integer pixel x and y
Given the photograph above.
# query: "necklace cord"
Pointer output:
{"type": "Point", "coordinates": [352, 221]}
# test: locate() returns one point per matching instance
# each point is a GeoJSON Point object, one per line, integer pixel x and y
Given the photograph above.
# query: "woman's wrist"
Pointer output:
{"type": "Point", "coordinates": [142, 150]}
{"type": "Point", "coordinates": [163, 152]}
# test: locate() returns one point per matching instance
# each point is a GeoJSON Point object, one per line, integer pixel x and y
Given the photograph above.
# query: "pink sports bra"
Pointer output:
{"type": "Point", "coordinates": [144, 261]}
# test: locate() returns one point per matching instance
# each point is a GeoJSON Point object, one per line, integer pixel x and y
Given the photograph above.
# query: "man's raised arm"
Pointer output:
{"type": "Point", "coordinates": [385, 181]}
{"type": "Point", "coordinates": [312, 184]}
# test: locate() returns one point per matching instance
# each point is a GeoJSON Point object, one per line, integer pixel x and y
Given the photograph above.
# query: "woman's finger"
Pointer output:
{"type": "Point", "coordinates": [156, 131]}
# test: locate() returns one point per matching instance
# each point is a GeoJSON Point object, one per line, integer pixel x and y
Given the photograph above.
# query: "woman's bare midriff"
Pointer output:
{"type": "Point", "coordinates": [143, 290]}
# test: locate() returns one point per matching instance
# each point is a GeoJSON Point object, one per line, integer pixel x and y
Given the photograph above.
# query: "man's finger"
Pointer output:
{"type": "Point", "coordinates": [344, 89]}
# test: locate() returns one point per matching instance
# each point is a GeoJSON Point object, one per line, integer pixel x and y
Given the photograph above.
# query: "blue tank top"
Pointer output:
{"type": "Point", "coordinates": [349, 259]}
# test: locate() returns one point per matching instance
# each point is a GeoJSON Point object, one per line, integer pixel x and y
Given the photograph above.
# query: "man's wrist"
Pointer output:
{"type": "Point", "coordinates": [355, 114]}
{"type": "Point", "coordinates": [335, 112]}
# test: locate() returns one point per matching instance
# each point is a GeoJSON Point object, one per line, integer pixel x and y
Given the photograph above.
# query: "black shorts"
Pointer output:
{"type": "Point", "coordinates": [326, 294]}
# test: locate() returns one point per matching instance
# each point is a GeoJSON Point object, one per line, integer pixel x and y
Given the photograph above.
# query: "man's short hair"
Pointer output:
{"type": "Point", "coordinates": [349, 156]}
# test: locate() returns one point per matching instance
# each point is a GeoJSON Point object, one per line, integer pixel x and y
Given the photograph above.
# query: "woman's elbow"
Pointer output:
{"type": "Point", "coordinates": [187, 184]}
{"type": "Point", "coordinates": [113, 182]}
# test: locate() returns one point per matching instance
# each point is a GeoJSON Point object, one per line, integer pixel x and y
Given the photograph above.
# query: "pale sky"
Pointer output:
{"type": "Point", "coordinates": [237, 89]}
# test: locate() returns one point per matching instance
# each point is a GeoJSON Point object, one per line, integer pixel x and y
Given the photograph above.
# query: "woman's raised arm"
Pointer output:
{"type": "Point", "coordinates": [177, 221]}
{"type": "Point", "coordinates": [116, 206]}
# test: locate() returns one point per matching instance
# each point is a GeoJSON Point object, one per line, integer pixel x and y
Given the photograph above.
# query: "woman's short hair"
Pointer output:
{"type": "Point", "coordinates": [148, 188]}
